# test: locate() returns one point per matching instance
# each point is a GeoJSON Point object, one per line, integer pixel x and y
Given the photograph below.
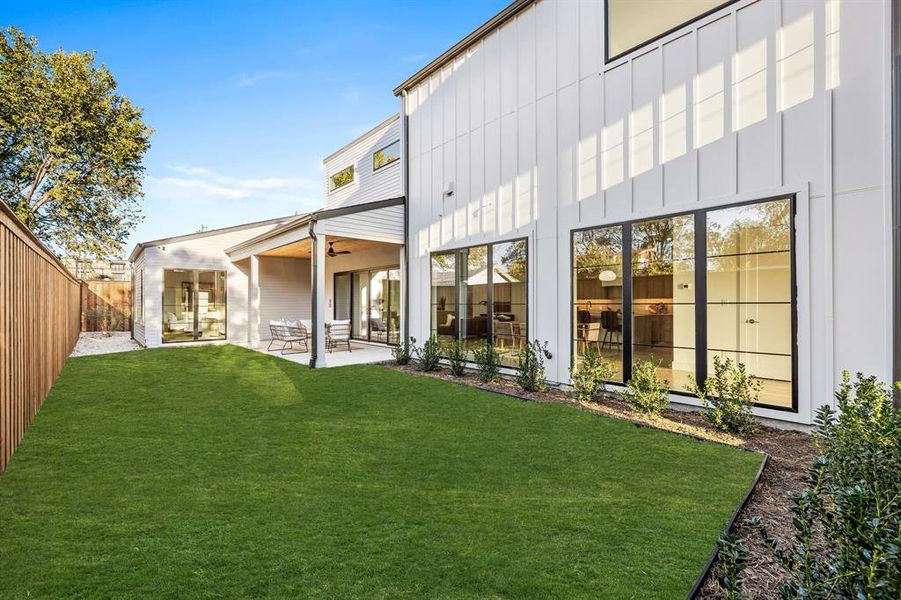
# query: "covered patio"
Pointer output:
{"type": "Point", "coordinates": [336, 273]}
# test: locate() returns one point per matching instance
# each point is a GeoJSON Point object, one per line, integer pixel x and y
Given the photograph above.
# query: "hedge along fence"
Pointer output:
{"type": "Point", "coordinates": [105, 305]}
{"type": "Point", "coordinates": [40, 318]}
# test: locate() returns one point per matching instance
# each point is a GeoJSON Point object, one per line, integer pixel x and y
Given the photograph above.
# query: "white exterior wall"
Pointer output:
{"type": "Point", "coordinates": [284, 291]}
{"type": "Point", "coordinates": [204, 253]}
{"type": "Point", "coordinates": [379, 225]}
{"type": "Point", "coordinates": [138, 318]}
{"type": "Point", "coordinates": [541, 137]}
{"type": "Point", "coordinates": [368, 185]}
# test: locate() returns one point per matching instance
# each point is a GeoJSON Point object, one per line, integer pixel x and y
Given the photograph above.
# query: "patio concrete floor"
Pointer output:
{"type": "Point", "coordinates": [360, 354]}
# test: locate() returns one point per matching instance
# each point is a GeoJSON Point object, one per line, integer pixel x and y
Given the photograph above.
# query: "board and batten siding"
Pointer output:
{"type": "Point", "coordinates": [368, 185]}
{"type": "Point", "coordinates": [761, 98]}
{"type": "Point", "coordinates": [203, 253]}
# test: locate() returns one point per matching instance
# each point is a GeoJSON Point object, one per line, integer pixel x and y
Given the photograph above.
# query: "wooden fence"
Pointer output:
{"type": "Point", "coordinates": [105, 303]}
{"type": "Point", "coordinates": [39, 325]}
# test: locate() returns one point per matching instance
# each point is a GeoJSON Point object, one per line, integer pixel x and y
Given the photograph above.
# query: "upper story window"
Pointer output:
{"type": "Point", "coordinates": [634, 23]}
{"type": "Point", "coordinates": [341, 178]}
{"type": "Point", "coordinates": [386, 156]}
{"type": "Point", "coordinates": [117, 267]}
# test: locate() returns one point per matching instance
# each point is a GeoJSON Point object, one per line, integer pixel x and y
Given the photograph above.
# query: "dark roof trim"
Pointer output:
{"type": "Point", "coordinates": [316, 216]}
{"type": "Point", "coordinates": [191, 236]}
{"type": "Point", "coordinates": [331, 213]}
{"type": "Point", "coordinates": [496, 21]}
{"type": "Point", "coordinates": [383, 125]}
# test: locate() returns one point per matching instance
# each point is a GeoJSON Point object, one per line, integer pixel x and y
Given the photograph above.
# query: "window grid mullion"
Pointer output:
{"type": "Point", "coordinates": [627, 302]}
{"type": "Point", "coordinates": [701, 297]}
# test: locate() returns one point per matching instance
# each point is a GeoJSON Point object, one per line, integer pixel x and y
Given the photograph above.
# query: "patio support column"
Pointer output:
{"type": "Point", "coordinates": [317, 348]}
{"type": "Point", "coordinates": [253, 302]}
{"type": "Point", "coordinates": [404, 334]}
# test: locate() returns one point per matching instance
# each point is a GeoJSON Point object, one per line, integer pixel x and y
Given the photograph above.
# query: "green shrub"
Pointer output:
{"type": "Point", "coordinates": [847, 521]}
{"type": "Point", "coordinates": [456, 355]}
{"type": "Point", "coordinates": [488, 361]}
{"type": "Point", "coordinates": [729, 395]}
{"type": "Point", "coordinates": [530, 376]}
{"type": "Point", "coordinates": [644, 391]}
{"type": "Point", "coordinates": [589, 379]}
{"type": "Point", "coordinates": [732, 560]}
{"type": "Point", "coordinates": [429, 355]}
{"type": "Point", "coordinates": [403, 352]}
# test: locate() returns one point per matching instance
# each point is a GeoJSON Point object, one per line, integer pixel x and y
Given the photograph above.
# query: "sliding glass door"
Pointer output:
{"type": "Point", "coordinates": [194, 305]}
{"type": "Point", "coordinates": [371, 300]}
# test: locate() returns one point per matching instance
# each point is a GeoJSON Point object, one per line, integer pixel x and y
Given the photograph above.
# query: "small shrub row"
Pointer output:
{"type": "Point", "coordinates": [847, 520]}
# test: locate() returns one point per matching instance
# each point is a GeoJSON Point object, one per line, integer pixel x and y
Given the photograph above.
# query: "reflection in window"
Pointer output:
{"type": "Point", "coordinates": [598, 294]}
{"type": "Point", "coordinates": [709, 105]}
{"type": "Point", "coordinates": [673, 130]}
{"type": "Point", "coordinates": [387, 155]}
{"type": "Point", "coordinates": [475, 303]}
{"type": "Point", "coordinates": [794, 62]}
{"type": "Point", "coordinates": [641, 140]}
{"type": "Point", "coordinates": [833, 43]}
{"type": "Point", "coordinates": [663, 310]}
{"type": "Point", "coordinates": [193, 305]}
{"type": "Point", "coordinates": [749, 85]}
{"type": "Point", "coordinates": [749, 299]}
{"type": "Point", "coordinates": [612, 154]}
{"type": "Point", "coordinates": [633, 23]}
{"type": "Point", "coordinates": [444, 296]}
{"type": "Point", "coordinates": [509, 281]}
{"type": "Point", "coordinates": [341, 178]}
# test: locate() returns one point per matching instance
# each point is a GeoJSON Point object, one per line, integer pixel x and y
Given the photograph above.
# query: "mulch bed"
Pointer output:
{"type": "Point", "coordinates": [790, 454]}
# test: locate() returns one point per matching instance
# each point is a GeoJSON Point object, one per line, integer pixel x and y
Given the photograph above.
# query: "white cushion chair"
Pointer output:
{"type": "Point", "coordinates": [337, 332]}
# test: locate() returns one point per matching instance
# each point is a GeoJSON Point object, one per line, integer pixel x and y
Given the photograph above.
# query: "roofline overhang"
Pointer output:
{"type": "Point", "coordinates": [238, 251]}
{"type": "Point", "coordinates": [140, 246]}
{"type": "Point", "coordinates": [454, 51]}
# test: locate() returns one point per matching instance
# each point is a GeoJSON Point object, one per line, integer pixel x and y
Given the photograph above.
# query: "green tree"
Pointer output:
{"type": "Point", "coordinates": [70, 147]}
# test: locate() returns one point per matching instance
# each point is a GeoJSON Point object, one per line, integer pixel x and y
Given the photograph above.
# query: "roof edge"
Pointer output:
{"type": "Point", "coordinates": [483, 30]}
{"type": "Point", "coordinates": [140, 246]}
{"type": "Point", "coordinates": [383, 124]}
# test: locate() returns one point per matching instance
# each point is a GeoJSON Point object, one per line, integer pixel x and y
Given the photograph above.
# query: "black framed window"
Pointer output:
{"type": "Point", "coordinates": [633, 23]}
{"type": "Point", "coordinates": [713, 282]}
{"type": "Point", "coordinates": [480, 293]}
{"type": "Point", "coordinates": [386, 156]}
{"type": "Point", "coordinates": [343, 177]}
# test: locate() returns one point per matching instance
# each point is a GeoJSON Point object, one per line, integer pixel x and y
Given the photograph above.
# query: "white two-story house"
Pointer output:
{"type": "Point", "coordinates": [665, 181]}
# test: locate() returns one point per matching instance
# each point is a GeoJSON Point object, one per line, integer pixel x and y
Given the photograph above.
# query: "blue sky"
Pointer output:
{"type": "Point", "coordinates": [247, 97]}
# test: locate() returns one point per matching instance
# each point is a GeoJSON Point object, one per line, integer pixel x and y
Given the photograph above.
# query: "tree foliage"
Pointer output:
{"type": "Point", "coordinates": [70, 147]}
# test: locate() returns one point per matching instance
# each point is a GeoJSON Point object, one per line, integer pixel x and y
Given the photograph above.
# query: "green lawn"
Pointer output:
{"type": "Point", "coordinates": [217, 471]}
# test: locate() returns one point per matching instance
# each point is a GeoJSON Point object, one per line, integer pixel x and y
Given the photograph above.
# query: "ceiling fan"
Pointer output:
{"type": "Point", "coordinates": [333, 253]}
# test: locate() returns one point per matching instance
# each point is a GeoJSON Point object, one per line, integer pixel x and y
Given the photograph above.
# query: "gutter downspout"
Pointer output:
{"type": "Point", "coordinates": [314, 292]}
{"type": "Point", "coordinates": [405, 122]}
{"type": "Point", "coordinates": [896, 194]}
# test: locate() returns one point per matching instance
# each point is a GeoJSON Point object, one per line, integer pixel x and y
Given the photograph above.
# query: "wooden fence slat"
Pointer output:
{"type": "Point", "coordinates": [113, 296]}
{"type": "Point", "coordinates": [40, 305]}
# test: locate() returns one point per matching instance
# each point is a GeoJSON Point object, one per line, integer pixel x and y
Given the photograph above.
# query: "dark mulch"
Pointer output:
{"type": "Point", "coordinates": [790, 454]}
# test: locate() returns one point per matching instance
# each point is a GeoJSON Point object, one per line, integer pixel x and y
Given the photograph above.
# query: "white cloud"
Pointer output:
{"type": "Point", "coordinates": [415, 58]}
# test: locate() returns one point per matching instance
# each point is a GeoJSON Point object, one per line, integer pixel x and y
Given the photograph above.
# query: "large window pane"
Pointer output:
{"type": "Point", "coordinates": [378, 306]}
{"type": "Point", "coordinates": [393, 306]}
{"type": "Point", "coordinates": [211, 305]}
{"type": "Point", "coordinates": [194, 305]}
{"type": "Point", "coordinates": [360, 304]}
{"type": "Point", "coordinates": [631, 23]}
{"type": "Point", "coordinates": [749, 300]}
{"type": "Point", "coordinates": [598, 294]}
{"type": "Point", "coordinates": [663, 294]}
{"type": "Point", "coordinates": [510, 299]}
{"type": "Point", "coordinates": [473, 286]}
{"type": "Point", "coordinates": [444, 296]}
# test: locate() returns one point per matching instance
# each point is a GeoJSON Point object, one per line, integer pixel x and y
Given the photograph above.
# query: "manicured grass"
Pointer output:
{"type": "Point", "coordinates": [217, 471]}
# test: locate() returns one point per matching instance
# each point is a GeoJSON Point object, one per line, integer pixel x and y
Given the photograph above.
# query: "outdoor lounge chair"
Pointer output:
{"type": "Point", "coordinates": [337, 332]}
{"type": "Point", "coordinates": [288, 333]}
